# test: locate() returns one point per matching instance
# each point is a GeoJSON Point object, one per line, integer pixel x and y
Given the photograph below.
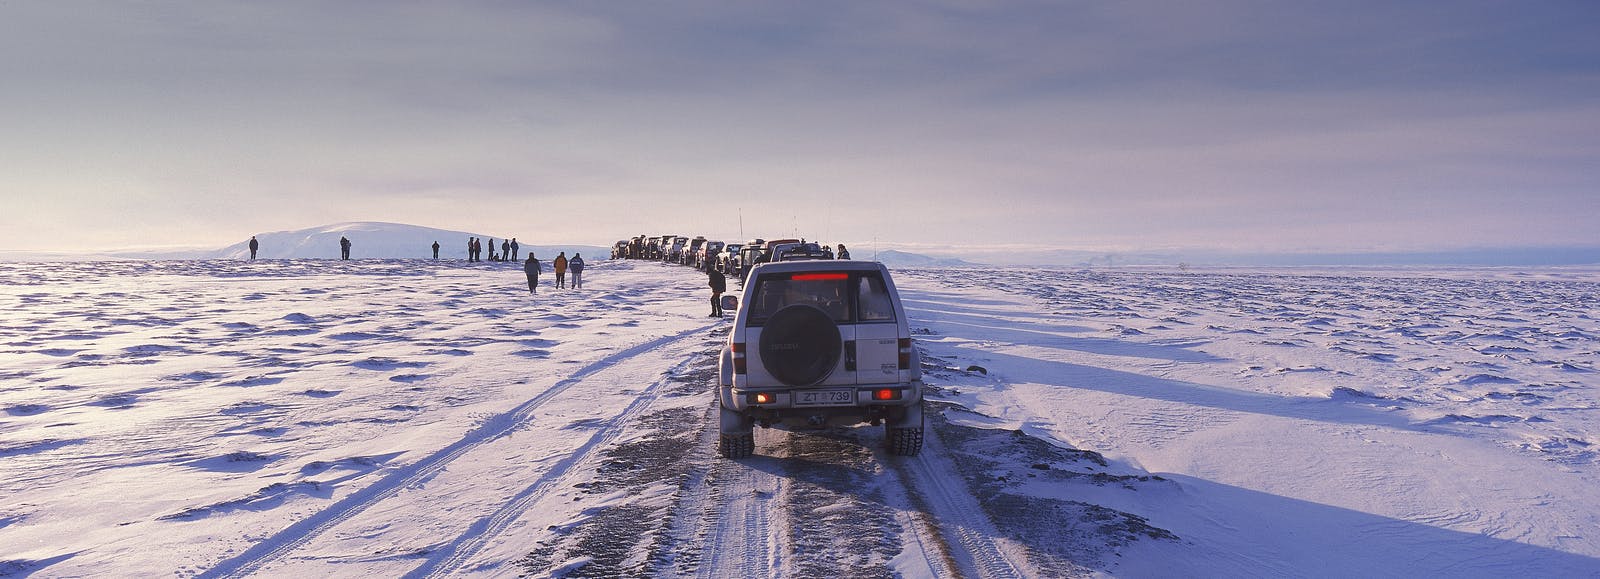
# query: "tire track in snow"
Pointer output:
{"type": "Point", "coordinates": [301, 532]}
{"type": "Point", "coordinates": [743, 516]}
{"type": "Point", "coordinates": [738, 511]}
{"type": "Point", "coordinates": [450, 560]}
{"type": "Point", "coordinates": [967, 533]}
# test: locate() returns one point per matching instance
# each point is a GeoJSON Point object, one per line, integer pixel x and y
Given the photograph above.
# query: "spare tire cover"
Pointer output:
{"type": "Point", "coordinates": [800, 345]}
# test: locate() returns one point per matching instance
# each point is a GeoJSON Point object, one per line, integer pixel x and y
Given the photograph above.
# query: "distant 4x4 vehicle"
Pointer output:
{"type": "Point", "coordinates": [800, 251]}
{"type": "Point", "coordinates": [706, 258]}
{"type": "Point", "coordinates": [727, 260]}
{"type": "Point", "coordinates": [817, 344]}
{"type": "Point", "coordinates": [672, 251]}
{"type": "Point", "coordinates": [691, 252]}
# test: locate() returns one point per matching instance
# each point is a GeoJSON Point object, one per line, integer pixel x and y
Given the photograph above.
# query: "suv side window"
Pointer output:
{"type": "Point", "coordinates": [873, 302]}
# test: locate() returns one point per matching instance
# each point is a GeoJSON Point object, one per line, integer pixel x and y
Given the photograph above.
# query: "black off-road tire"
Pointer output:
{"type": "Point", "coordinates": [736, 445]}
{"type": "Point", "coordinates": [800, 345]}
{"type": "Point", "coordinates": [904, 441]}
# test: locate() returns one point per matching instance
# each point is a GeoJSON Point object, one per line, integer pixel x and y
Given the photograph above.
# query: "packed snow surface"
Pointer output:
{"type": "Point", "coordinates": [418, 418]}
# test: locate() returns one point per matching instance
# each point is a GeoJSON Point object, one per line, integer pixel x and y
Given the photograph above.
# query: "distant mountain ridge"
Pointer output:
{"type": "Point", "coordinates": [896, 258]}
{"type": "Point", "coordinates": [373, 239]}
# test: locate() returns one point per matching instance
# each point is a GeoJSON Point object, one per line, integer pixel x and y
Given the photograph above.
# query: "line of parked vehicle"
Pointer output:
{"type": "Point", "coordinates": [731, 259]}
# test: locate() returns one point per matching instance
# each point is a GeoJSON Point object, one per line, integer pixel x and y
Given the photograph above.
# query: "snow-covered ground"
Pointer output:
{"type": "Point", "coordinates": [418, 418]}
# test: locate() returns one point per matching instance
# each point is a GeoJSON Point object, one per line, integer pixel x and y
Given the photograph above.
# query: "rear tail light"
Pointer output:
{"type": "Point", "coordinates": [905, 353]}
{"type": "Point", "coordinates": [761, 397]}
{"type": "Point", "coordinates": [886, 394]}
{"type": "Point", "coordinates": [738, 358]}
{"type": "Point", "coordinates": [819, 276]}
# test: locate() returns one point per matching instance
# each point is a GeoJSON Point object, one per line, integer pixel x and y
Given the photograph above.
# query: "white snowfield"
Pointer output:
{"type": "Point", "coordinates": [410, 418]}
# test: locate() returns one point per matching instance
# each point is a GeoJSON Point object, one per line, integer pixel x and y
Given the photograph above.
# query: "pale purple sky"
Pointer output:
{"type": "Point", "coordinates": [1236, 125]}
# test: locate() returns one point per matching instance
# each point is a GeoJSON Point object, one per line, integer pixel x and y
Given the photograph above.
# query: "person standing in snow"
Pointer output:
{"type": "Point", "coordinates": [344, 247]}
{"type": "Point", "coordinates": [719, 284]}
{"type": "Point", "coordinates": [532, 269]}
{"type": "Point", "coordinates": [254, 245]}
{"type": "Point", "coordinates": [491, 249]}
{"type": "Point", "coordinates": [514, 249]}
{"type": "Point", "coordinates": [472, 244]}
{"type": "Point", "coordinates": [561, 270]}
{"type": "Point", "coordinates": [576, 265]}
{"type": "Point", "coordinates": [505, 250]}
{"type": "Point", "coordinates": [436, 251]}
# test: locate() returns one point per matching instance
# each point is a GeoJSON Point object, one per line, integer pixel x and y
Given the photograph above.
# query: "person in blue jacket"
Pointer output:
{"type": "Point", "coordinates": [576, 267]}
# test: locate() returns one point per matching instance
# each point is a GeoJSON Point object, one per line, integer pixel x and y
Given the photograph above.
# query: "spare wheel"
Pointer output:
{"type": "Point", "coordinates": [800, 345]}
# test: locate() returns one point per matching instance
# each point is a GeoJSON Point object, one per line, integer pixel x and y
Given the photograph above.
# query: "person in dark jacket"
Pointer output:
{"type": "Point", "coordinates": [576, 266]}
{"type": "Point", "coordinates": [514, 249]}
{"type": "Point", "coordinates": [505, 250]}
{"type": "Point", "coordinates": [436, 251]}
{"type": "Point", "coordinates": [531, 267]}
{"type": "Point", "coordinates": [719, 284]}
{"type": "Point", "coordinates": [344, 247]}
{"type": "Point", "coordinates": [842, 253]}
{"type": "Point", "coordinates": [254, 245]}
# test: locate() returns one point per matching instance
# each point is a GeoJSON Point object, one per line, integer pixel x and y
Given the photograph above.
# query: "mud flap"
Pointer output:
{"type": "Point", "coordinates": [911, 417]}
{"type": "Point", "coordinates": [734, 422]}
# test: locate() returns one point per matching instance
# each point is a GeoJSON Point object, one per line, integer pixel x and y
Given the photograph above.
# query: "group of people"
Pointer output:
{"type": "Point", "coordinates": [508, 250]}
{"type": "Point", "coordinates": [561, 265]}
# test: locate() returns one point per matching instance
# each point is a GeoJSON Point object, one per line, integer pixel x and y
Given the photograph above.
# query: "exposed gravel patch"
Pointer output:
{"type": "Point", "coordinates": [1063, 537]}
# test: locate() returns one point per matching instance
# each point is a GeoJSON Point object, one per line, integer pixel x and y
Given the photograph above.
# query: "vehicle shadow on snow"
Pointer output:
{"type": "Point", "coordinates": [1284, 536]}
{"type": "Point", "coordinates": [1044, 333]}
{"type": "Point", "coordinates": [1068, 375]}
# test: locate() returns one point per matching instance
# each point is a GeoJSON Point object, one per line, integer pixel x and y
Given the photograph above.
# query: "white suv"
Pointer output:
{"type": "Point", "coordinates": [817, 344]}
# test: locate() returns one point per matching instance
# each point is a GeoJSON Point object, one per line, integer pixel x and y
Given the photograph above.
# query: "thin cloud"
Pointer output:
{"type": "Point", "coordinates": [1224, 125]}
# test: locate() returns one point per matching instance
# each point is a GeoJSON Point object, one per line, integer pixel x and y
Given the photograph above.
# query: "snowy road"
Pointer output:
{"type": "Point", "coordinates": [407, 418]}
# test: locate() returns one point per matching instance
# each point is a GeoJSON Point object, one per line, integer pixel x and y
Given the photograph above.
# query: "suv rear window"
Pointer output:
{"type": "Point", "coordinates": [847, 297]}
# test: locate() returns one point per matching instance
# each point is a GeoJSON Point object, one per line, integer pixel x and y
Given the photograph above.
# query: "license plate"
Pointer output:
{"type": "Point", "coordinates": [825, 398]}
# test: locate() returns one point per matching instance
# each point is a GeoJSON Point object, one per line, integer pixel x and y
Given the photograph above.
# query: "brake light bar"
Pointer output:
{"type": "Point", "coordinates": [819, 276]}
{"type": "Point", "coordinates": [905, 353]}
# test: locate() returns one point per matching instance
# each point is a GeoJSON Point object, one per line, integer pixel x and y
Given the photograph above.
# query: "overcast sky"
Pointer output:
{"type": "Point", "coordinates": [1235, 125]}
